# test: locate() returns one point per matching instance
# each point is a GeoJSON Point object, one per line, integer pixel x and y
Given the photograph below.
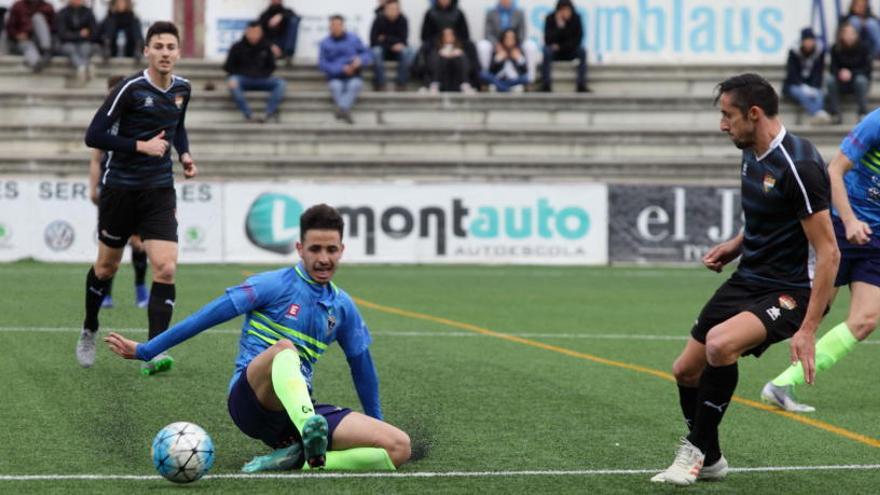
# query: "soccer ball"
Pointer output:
{"type": "Point", "coordinates": [182, 452]}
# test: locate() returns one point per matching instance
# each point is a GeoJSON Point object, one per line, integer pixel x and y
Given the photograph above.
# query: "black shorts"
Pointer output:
{"type": "Point", "coordinates": [274, 428]}
{"type": "Point", "coordinates": [151, 213]}
{"type": "Point", "coordinates": [780, 310]}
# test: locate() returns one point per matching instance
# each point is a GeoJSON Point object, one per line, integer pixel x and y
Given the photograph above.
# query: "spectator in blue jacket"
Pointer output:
{"type": "Point", "coordinates": [341, 58]}
{"type": "Point", "coordinates": [803, 77]}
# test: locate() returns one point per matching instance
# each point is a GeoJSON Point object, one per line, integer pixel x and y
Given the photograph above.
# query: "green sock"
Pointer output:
{"type": "Point", "coordinates": [831, 348]}
{"type": "Point", "coordinates": [358, 459]}
{"type": "Point", "coordinates": [291, 387]}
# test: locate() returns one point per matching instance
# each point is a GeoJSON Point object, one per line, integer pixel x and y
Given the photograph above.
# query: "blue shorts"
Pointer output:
{"type": "Point", "coordinates": [274, 428]}
{"type": "Point", "coordinates": [858, 263]}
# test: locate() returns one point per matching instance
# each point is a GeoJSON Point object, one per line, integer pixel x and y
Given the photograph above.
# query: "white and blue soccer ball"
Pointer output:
{"type": "Point", "coordinates": [182, 452]}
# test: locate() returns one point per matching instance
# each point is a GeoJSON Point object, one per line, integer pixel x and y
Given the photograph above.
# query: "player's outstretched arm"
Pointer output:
{"type": "Point", "coordinates": [215, 312]}
{"type": "Point", "coordinates": [366, 383]}
{"type": "Point", "coordinates": [857, 232]}
{"type": "Point", "coordinates": [817, 227]}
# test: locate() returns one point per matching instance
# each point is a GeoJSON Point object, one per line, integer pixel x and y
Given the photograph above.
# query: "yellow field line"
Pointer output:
{"type": "Point", "coordinates": [857, 437]}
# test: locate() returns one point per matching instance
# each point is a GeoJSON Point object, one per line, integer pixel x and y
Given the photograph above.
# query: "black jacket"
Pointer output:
{"type": "Point", "coordinates": [249, 60]}
{"type": "Point", "coordinates": [437, 19]}
{"type": "Point", "coordinates": [857, 59]}
{"type": "Point", "coordinates": [394, 32]}
{"type": "Point", "coordinates": [69, 21]}
{"type": "Point", "coordinates": [804, 69]}
{"type": "Point", "coordinates": [269, 13]}
{"type": "Point", "coordinates": [568, 37]}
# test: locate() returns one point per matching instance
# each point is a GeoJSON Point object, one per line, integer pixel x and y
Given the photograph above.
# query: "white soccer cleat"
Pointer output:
{"type": "Point", "coordinates": [715, 472]}
{"type": "Point", "coordinates": [85, 348]}
{"type": "Point", "coordinates": [783, 398]}
{"type": "Point", "coordinates": [685, 468]}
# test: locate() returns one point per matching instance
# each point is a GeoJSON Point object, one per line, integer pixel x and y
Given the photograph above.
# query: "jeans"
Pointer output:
{"type": "Point", "coordinates": [859, 85]}
{"type": "Point", "coordinates": [529, 49]}
{"type": "Point", "coordinates": [810, 98]}
{"type": "Point", "coordinates": [239, 84]}
{"type": "Point", "coordinates": [345, 91]}
{"type": "Point", "coordinates": [287, 40]}
{"type": "Point", "coordinates": [404, 63]}
{"type": "Point", "coordinates": [79, 52]}
{"type": "Point", "coordinates": [550, 56]}
{"type": "Point", "coordinates": [39, 42]}
{"type": "Point", "coordinates": [503, 85]}
{"type": "Point", "coordinates": [869, 28]}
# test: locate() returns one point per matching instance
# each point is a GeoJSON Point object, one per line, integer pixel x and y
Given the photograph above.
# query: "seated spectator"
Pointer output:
{"type": "Point", "coordinates": [121, 32]}
{"type": "Point", "coordinates": [250, 64]}
{"type": "Point", "coordinates": [803, 77]}
{"type": "Point", "coordinates": [865, 23]}
{"type": "Point", "coordinates": [388, 39]}
{"type": "Point", "coordinates": [508, 68]}
{"type": "Point", "coordinates": [446, 14]}
{"type": "Point", "coordinates": [448, 65]}
{"type": "Point", "coordinates": [341, 57]}
{"type": "Point", "coordinates": [29, 27]}
{"type": "Point", "coordinates": [563, 33]}
{"type": "Point", "coordinates": [76, 28]}
{"type": "Point", "coordinates": [850, 71]}
{"type": "Point", "coordinates": [281, 27]}
{"type": "Point", "coordinates": [501, 18]}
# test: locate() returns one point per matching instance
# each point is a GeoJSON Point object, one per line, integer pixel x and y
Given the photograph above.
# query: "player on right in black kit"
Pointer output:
{"type": "Point", "coordinates": [134, 127]}
{"type": "Point", "coordinates": [779, 290]}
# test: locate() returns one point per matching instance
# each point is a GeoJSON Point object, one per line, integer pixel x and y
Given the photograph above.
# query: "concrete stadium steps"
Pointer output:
{"type": "Point", "coordinates": [456, 141]}
{"type": "Point", "coordinates": [640, 112]}
{"type": "Point", "coordinates": [704, 170]}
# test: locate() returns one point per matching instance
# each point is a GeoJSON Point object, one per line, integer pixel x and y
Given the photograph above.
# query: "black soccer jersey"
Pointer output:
{"type": "Point", "coordinates": [779, 189]}
{"type": "Point", "coordinates": [138, 110]}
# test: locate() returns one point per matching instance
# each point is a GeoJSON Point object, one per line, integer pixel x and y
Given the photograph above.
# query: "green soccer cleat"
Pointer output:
{"type": "Point", "coordinates": [314, 437]}
{"type": "Point", "coordinates": [160, 363]}
{"type": "Point", "coordinates": [283, 459]}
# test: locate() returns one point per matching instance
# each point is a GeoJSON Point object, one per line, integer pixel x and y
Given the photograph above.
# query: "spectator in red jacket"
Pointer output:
{"type": "Point", "coordinates": [30, 29]}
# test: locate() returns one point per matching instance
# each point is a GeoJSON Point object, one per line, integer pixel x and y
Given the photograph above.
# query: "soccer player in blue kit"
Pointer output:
{"type": "Point", "coordinates": [292, 315]}
{"type": "Point", "coordinates": [855, 194]}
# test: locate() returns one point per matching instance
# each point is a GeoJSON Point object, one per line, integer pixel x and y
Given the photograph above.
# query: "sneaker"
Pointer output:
{"type": "Point", "coordinates": [715, 472]}
{"type": "Point", "coordinates": [160, 363]}
{"type": "Point", "coordinates": [783, 398]}
{"type": "Point", "coordinates": [314, 437]}
{"type": "Point", "coordinates": [107, 302]}
{"type": "Point", "coordinates": [85, 348]}
{"type": "Point", "coordinates": [283, 459]}
{"type": "Point", "coordinates": [686, 467]}
{"type": "Point", "coordinates": [819, 118]}
{"type": "Point", "coordinates": [141, 296]}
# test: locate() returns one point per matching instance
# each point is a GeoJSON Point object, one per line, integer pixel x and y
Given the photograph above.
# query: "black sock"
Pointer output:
{"type": "Point", "coordinates": [95, 291]}
{"type": "Point", "coordinates": [687, 398]}
{"type": "Point", "coordinates": [160, 308]}
{"type": "Point", "coordinates": [109, 290]}
{"type": "Point", "coordinates": [716, 389]}
{"type": "Point", "coordinates": [139, 261]}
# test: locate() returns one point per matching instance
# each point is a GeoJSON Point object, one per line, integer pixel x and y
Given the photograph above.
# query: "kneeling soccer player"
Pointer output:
{"type": "Point", "coordinates": [781, 288]}
{"type": "Point", "coordinates": [293, 314]}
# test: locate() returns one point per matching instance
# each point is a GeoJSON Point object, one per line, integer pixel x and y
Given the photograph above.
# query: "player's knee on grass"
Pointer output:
{"type": "Point", "coordinates": [105, 269]}
{"type": "Point", "coordinates": [686, 373]}
{"type": "Point", "coordinates": [163, 271]}
{"type": "Point", "coordinates": [398, 446]}
{"type": "Point", "coordinates": [720, 349]}
{"type": "Point", "coordinates": [862, 324]}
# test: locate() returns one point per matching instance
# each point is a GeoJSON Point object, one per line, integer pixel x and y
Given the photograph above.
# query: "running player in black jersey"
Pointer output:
{"type": "Point", "coordinates": [134, 126]}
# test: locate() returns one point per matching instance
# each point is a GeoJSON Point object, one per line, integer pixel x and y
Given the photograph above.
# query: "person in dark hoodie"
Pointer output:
{"type": "Point", "coordinates": [850, 71]}
{"type": "Point", "coordinates": [76, 27]}
{"type": "Point", "coordinates": [120, 24]}
{"type": "Point", "coordinates": [250, 65]}
{"type": "Point", "coordinates": [563, 34]}
{"type": "Point", "coordinates": [388, 39]}
{"type": "Point", "coordinates": [803, 77]}
{"type": "Point", "coordinates": [446, 14]}
{"type": "Point", "coordinates": [281, 27]}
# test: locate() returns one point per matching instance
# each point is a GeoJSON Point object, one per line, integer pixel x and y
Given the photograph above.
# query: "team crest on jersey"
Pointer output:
{"type": "Point", "coordinates": [769, 182]}
{"type": "Point", "coordinates": [178, 100]}
{"type": "Point", "coordinates": [787, 302]}
{"type": "Point", "coordinates": [148, 102]}
{"type": "Point", "coordinates": [331, 324]}
{"type": "Point", "coordinates": [293, 310]}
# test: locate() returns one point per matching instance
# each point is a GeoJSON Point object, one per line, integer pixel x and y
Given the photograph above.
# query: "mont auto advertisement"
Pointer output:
{"type": "Point", "coordinates": [653, 224]}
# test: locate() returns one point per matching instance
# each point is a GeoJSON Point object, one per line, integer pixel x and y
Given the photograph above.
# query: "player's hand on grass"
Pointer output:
{"type": "Point", "coordinates": [857, 232]}
{"type": "Point", "coordinates": [803, 350]}
{"type": "Point", "coordinates": [189, 166]}
{"type": "Point", "coordinates": [122, 346]}
{"type": "Point", "coordinates": [154, 147]}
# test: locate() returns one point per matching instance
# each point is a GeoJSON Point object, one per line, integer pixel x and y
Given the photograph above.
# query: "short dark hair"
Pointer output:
{"type": "Point", "coordinates": [252, 24]}
{"type": "Point", "coordinates": [320, 217]}
{"type": "Point", "coordinates": [162, 27]}
{"type": "Point", "coordinates": [337, 17]}
{"type": "Point", "coordinates": [750, 90]}
{"type": "Point", "coordinates": [112, 81]}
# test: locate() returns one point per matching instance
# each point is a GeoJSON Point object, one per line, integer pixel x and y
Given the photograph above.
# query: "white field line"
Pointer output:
{"type": "Point", "coordinates": [435, 474]}
{"type": "Point", "coordinates": [417, 333]}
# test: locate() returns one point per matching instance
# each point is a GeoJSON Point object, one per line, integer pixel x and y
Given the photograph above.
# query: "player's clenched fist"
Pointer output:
{"type": "Point", "coordinates": [157, 146]}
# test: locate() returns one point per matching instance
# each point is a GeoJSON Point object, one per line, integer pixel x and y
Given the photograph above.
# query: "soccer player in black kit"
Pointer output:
{"type": "Point", "coordinates": [782, 286]}
{"type": "Point", "coordinates": [135, 126]}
